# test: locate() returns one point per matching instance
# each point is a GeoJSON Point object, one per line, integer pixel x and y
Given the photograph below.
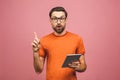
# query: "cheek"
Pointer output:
{"type": "Point", "coordinates": [63, 24]}
{"type": "Point", "coordinates": [53, 24]}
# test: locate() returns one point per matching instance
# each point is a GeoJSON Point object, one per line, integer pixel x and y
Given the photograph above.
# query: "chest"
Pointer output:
{"type": "Point", "coordinates": [68, 45]}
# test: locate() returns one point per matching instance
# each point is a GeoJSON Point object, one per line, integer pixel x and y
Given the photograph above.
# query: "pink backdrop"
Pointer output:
{"type": "Point", "coordinates": [97, 21]}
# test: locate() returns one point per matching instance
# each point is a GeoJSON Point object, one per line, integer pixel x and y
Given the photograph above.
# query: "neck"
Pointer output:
{"type": "Point", "coordinates": [60, 33]}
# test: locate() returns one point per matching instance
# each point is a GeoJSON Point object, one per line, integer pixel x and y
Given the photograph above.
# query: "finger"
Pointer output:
{"type": "Point", "coordinates": [37, 41]}
{"type": "Point", "coordinates": [35, 49]}
{"type": "Point", "coordinates": [34, 45]}
{"type": "Point", "coordinates": [36, 37]}
{"type": "Point", "coordinates": [76, 62]}
{"type": "Point", "coordinates": [35, 34]}
{"type": "Point", "coordinates": [71, 66]}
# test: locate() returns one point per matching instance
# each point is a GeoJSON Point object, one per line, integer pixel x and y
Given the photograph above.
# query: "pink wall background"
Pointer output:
{"type": "Point", "coordinates": [97, 21]}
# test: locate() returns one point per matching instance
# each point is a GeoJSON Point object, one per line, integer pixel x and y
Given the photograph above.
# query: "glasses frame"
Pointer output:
{"type": "Point", "coordinates": [61, 19]}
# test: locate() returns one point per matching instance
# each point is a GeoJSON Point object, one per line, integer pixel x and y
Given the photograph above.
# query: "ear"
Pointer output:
{"type": "Point", "coordinates": [66, 19]}
{"type": "Point", "coordinates": [50, 20]}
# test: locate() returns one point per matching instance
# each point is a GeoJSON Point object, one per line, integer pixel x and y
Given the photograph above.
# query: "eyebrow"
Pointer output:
{"type": "Point", "coordinates": [57, 17]}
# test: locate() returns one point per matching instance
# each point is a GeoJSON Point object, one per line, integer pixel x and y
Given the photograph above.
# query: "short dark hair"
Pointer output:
{"type": "Point", "coordinates": [58, 8]}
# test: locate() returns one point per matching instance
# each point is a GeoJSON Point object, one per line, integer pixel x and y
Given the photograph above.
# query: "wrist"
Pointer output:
{"type": "Point", "coordinates": [35, 50]}
{"type": "Point", "coordinates": [36, 54]}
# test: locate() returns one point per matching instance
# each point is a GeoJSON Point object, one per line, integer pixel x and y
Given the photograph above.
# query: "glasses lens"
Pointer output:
{"type": "Point", "coordinates": [60, 19]}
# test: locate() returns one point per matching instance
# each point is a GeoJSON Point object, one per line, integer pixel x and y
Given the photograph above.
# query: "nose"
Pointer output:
{"type": "Point", "coordinates": [58, 21]}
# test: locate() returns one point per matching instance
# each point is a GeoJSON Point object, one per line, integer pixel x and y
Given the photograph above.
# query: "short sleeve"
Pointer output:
{"type": "Point", "coordinates": [80, 47]}
{"type": "Point", "coordinates": [42, 52]}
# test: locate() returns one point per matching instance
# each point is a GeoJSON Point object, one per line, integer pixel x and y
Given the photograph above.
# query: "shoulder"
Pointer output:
{"type": "Point", "coordinates": [73, 35]}
{"type": "Point", "coordinates": [46, 37]}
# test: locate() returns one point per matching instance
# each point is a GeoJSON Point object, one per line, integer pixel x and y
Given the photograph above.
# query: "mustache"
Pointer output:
{"type": "Point", "coordinates": [59, 25]}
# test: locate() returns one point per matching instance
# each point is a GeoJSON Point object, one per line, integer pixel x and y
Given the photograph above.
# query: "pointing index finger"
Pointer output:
{"type": "Point", "coordinates": [35, 34]}
{"type": "Point", "coordinates": [36, 37]}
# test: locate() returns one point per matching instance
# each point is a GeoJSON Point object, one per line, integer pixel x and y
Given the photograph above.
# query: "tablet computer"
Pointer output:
{"type": "Point", "coordinates": [70, 58]}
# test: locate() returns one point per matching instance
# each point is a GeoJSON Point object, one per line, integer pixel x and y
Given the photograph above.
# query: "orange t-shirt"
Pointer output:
{"type": "Point", "coordinates": [55, 48]}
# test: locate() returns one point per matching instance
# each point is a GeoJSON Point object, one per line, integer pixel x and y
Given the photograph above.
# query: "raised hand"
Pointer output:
{"type": "Point", "coordinates": [36, 43]}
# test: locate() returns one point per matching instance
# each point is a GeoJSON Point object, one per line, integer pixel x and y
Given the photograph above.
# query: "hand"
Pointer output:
{"type": "Point", "coordinates": [36, 43]}
{"type": "Point", "coordinates": [75, 65]}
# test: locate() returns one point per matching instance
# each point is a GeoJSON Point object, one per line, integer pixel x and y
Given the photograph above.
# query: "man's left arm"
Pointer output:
{"type": "Point", "coordinates": [80, 65]}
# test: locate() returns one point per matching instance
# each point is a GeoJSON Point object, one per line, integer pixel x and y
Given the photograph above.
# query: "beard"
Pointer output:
{"type": "Point", "coordinates": [59, 29]}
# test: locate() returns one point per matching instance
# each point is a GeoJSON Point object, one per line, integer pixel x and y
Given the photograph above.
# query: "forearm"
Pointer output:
{"type": "Point", "coordinates": [38, 63]}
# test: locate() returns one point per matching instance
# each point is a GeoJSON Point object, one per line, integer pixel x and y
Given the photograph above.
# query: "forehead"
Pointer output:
{"type": "Point", "coordinates": [58, 14]}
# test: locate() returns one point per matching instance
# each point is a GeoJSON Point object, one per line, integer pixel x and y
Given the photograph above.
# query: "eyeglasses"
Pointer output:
{"type": "Point", "coordinates": [61, 19]}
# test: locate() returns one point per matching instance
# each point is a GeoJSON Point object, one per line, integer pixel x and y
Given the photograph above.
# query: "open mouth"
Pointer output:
{"type": "Point", "coordinates": [59, 27]}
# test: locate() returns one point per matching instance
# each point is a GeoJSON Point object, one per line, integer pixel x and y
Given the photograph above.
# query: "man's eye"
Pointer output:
{"type": "Point", "coordinates": [55, 18]}
{"type": "Point", "coordinates": [62, 18]}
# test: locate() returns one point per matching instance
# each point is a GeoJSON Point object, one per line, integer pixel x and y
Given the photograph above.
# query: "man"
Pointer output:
{"type": "Point", "coordinates": [56, 46]}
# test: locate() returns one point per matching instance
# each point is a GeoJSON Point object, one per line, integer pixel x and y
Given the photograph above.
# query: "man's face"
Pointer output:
{"type": "Point", "coordinates": [58, 21]}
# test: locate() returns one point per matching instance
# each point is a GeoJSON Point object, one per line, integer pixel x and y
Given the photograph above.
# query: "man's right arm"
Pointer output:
{"type": "Point", "coordinates": [38, 61]}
